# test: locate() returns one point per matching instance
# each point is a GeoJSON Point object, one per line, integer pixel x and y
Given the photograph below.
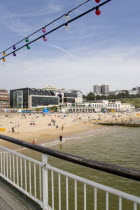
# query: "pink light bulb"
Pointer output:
{"type": "Point", "coordinates": [44, 30]}
{"type": "Point", "coordinates": [44, 39]}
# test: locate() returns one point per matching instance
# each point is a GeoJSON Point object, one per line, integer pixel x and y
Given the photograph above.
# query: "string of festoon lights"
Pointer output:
{"type": "Point", "coordinates": [43, 29]}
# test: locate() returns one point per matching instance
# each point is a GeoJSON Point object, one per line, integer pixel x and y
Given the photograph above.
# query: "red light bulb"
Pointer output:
{"type": "Point", "coordinates": [97, 1]}
{"type": "Point", "coordinates": [98, 12]}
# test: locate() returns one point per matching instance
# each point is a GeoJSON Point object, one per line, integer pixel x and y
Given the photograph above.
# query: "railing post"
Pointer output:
{"type": "Point", "coordinates": [45, 182]}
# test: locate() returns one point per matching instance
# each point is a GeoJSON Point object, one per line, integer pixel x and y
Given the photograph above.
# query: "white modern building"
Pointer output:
{"type": "Point", "coordinates": [66, 95]}
{"type": "Point", "coordinates": [127, 107]}
{"type": "Point", "coordinates": [105, 105]}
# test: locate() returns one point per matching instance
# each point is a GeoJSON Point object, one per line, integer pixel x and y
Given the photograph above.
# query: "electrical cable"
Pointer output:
{"type": "Point", "coordinates": [64, 24]}
{"type": "Point", "coordinates": [66, 14]}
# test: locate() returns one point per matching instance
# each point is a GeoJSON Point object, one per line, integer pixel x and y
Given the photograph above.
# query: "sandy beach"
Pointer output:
{"type": "Point", "coordinates": [43, 128]}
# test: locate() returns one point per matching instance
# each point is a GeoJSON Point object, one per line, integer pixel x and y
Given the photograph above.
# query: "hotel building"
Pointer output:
{"type": "Point", "coordinates": [4, 99]}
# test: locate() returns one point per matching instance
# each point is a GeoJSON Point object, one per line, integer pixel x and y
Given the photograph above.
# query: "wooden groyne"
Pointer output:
{"type": "Point", "coordinates": [121, 124]}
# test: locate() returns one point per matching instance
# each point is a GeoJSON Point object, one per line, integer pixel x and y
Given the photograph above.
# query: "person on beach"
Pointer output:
{"type": "Point", "coordinates": [60, 138]}
{"type": "Point", "coordinates": [34, 141]}
{"type": "Point", "coordinates": [62, 126]}
{"type": "Point", "coordinates": [13, 129]}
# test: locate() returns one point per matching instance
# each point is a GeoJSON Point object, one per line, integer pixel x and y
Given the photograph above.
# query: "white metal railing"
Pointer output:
{"type": "Point", "coordinates": [53, 188]}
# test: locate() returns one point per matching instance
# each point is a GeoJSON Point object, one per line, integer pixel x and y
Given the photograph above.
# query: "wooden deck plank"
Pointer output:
{"type": "Point", "coordinates": [7, 202]}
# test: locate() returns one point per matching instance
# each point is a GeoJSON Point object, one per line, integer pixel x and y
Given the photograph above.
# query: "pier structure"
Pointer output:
{"type": "Point", "coordinates": [50, 187]}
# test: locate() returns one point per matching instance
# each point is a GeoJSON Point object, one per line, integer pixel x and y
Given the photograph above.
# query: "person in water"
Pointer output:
{"type": "Point", "coordinates": [60, 138]}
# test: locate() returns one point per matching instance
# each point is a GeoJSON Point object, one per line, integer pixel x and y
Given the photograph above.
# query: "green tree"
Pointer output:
{"type": "Point", "coordinates": [90, 96]}
{"type": "Point", "coordinates": [111, 96]}
{"type": "Point", "coordinates": [98, 97]}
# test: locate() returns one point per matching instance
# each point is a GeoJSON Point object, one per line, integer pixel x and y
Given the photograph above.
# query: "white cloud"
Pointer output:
{"type": "Point", "coordinates": [51, 8]}
{"type": "Point", "coordinates": [111, 66]}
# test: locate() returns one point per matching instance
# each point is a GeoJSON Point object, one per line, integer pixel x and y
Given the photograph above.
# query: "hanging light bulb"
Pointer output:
{"type": "Point", "coordinates": [3, 59]}
{"type": "Point", "coordinates": [67, 17]}
{"type": "Point", "coordinates": [28, 47]}
{"type": "Point", "coordinates": [44, 39]}
{"type": "Point", "coordinates": [98, 12]}
{"type": "Point", "coordinates": [44, 30]}
{"type": "Point", "coordinates": [4, 53]}
{"type": "Point", "coordinates": [26, 39]}
{"type": "Point", "coordinates": [14, 54]}
{"type": "Point", "coordinates": [14, 47]}
{"type": "Point", "coordinates": [97, 1]}
{"type": "Point", "coordinates": [67, 26]}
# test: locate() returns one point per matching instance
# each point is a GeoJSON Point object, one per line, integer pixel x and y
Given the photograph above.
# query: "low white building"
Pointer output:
{"type": "Point", "coordinates": [127, 107]}
{"type": "Point", "coordinates": [133, 92]}
{"type": "Point", "coordinates": [112, 105]}
{"type": "Point", "coordinates": [107, 105]}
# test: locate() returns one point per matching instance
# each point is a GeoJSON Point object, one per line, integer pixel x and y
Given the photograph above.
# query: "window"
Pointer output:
{"type": "Point", "coordinates": [44, 101]}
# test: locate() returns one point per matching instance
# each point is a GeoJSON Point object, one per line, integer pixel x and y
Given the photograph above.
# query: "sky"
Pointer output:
{"type": "Point", "coordinates": [95, 49]}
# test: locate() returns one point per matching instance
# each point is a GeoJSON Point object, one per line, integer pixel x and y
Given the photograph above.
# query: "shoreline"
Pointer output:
{"type": "Point", "coordinates": [47, 128]}
{"type": "Point", "coordinates": [53, 139]}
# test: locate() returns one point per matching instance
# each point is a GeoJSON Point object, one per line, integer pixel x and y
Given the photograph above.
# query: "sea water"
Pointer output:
{"type": "Point", "coordinates": [115, 145]}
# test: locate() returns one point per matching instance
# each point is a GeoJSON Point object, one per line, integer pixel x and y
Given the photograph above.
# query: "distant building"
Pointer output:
{"type": "Point", "coordinates": [136, 89]}
{"type": "Point", "coordinates": [97, 89]}
{"type": "Point", "coordinates": [4, 99]}
{"type": "Point", "coordinates": [101, 89]}
{"type": "Point", "coordinates": [119, 91]}
{"type": "Point", "coordinates": [112, 92]}
{"type": "Point", "coordinates": [105, 89]}
{"type": "Point", "coordinates": [32, 98]}
{"type": "Point", "coordinates": [49, 87]}
{"type": "Point", "coordinates": [133, 92]}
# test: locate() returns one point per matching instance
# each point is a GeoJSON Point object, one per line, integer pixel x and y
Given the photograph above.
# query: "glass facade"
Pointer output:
{"type": "Point", "coordinates": [72, 95]}
{"type": "Point", "coordinates": [40, 92]}
{"type": "Point", "coordinates": [19, 98]}
{"type": "Point", "coordinates": [31, 97]}
{"type": "Point", "coordinates": [69, 100]}
{"type": "Point", "coordinates": [44, 101]}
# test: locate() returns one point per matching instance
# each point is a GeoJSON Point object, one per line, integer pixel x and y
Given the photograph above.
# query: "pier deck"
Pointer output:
{"type": "Point", "coordinates": [7, 202]}
{"type": "Point", "coordinates": [12, 199]}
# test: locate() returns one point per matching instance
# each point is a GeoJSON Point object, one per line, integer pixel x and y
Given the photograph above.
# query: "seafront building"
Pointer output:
{"type": "Point", "coordinates": [68, 100]}
{"type": "Point", "coordinates": [102, 106]}
{"type": "Point", "coordinates": [39, 98]}
{"type": "Point", "coordinates": [4, 99]}
{"type": "Point", "coordinates": [66, 95]}
{"type": "Point", "coordinates": [69, 96]}
{"type": "Point", "coordinates": [32, 98]}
